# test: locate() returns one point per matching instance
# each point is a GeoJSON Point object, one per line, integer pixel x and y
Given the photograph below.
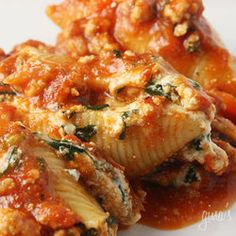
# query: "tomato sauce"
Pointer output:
{"type": "Point", "coordinates": [28, 185]}
{"type": "Point", "coordinates": [171, 208]}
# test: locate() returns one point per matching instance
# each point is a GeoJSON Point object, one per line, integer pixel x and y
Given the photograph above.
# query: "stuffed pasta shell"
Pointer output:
{"type": "Point", "coordinates": [128, 117]}
{"type": "Point", "coordinates": [144, 113]}
{"type": "Point", "coordinates": [36, 189]}
{"type": "Point", "coordinates": [175, 30]}
{"type": "Point", "coordinates": [105, 180]}
{"type": "Point", "coordinates": [168, 115]}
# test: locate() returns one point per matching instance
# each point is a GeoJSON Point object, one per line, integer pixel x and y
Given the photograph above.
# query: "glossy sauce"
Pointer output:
{"type": "Point", "coordinates": [165, 208]}
{"type": "Point", "coordinates": [30, 189]}
{"type": "Point", "coordinates": [171, 208]}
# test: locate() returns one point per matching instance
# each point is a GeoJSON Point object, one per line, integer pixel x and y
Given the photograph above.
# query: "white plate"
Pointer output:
{"type": "Point", "coordinates": [24, 19]}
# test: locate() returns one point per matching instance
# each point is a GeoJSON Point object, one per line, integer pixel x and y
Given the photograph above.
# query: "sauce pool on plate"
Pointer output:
{"type": "Point", "coordinates": [172, 208]}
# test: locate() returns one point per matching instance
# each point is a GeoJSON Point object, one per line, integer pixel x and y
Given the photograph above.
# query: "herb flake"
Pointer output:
{"type": "Point", "coordinates": [195, 84]}
{"type": "Point", "coordinates": [111, 221]}
{"type": "Point", "coordinates": [86, 133]}
{"type": "Point", "coordinates": [191, 175]}
{"type": "Point", "coordinates": [119, 90]}
{"type": "Point", "coordinates": [97, 107]}
{"type": "Point", "coordinates": [117, 53]}
{"type": "Point", "coordinates": [65, 147]}
{"type": "Point", "coordinates": [124, 116]}
{"type": "Point", "coordinates": [155, 89]}
{"type": "Point", "coordinates": [12, 160]}
{"type": "Point", "coordinates": [196, 144]}
{"type": "Point", "coordinates": [123, 133]}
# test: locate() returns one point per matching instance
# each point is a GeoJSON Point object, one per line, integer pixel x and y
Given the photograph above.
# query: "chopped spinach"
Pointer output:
{"type": "Point", "coordinates": [195, 84]}
{"type": "Point", "coordinates": [68, 114]}
{"type": "Point", "coordinates": [193, 46]}
{"type": "Point", "coordinates": [123, 194]}
{"type": "Point", "coordinates": [111, 221]}
{"type": "Point", "coordinates": [155, 89]}
{"type": "Point", "coordinates": [123, 133]}
{"type": "Point", "coordinates": [119, 90]}
{"type": "Point", "coordinates": [12, 160]}
{"type": "Point", "coordinates": [86, 133]}
{"type": "Point", "coordinates": [97, 107]}
{"type": "Point", "coordinates": [90, 232]}
{"type": "Point", "coordinates": [163, 167]}
{"type": "Point", "coordinates": [208, 137]}
{"type": "Point", "coordinates": [117, 53]}
{"type": "Point", "coordinates": [124, 116]}
{"type": "Point", "coordinates": [191, 175]}
{"type": "Point", "coordinates": [196, 144]}
{"type": "Point", "coordinates": [101, 167]}
{"type": "Point", "coordinates": [85, 231]}
{"type": "Point", "coordinates": [65, 147]}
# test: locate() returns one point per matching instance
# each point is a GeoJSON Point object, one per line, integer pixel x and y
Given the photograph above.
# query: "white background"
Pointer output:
{"type": "Point", "coordinates": [24, 19]}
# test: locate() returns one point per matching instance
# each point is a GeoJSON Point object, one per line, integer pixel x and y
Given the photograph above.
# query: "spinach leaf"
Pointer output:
{"type": "Point", "coordinates": [119, 90]}
{"type": "Point", "coordinates": [192, 46]}
{"type": "Point", "coordinates": [195, 84]}
{"type": "Point", "coordinates": [117, 53]}
{"type": "Point", "coordinates": [86, 133]}
{"type": "Point", "coordinates": [65, 147]}
{"type": "Point", "coordinates": [196, 144]}
{"type": "Point", "coordinates": [124, 116]}
{"type": "Point", "coordinates": [111, 221]}
{"type": "Point", "coordinates": [191, 175]}
{"type": "Point", "coordinates": [123, 133]}
{"type": "Point", "coordinates": [97, 107]}
{"type": "Point", "coordinates": [85, 231]}
{"type": "Point", "coordinates": [12, 160]}
{"type": "Point", "coordinates": [155, 89]}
